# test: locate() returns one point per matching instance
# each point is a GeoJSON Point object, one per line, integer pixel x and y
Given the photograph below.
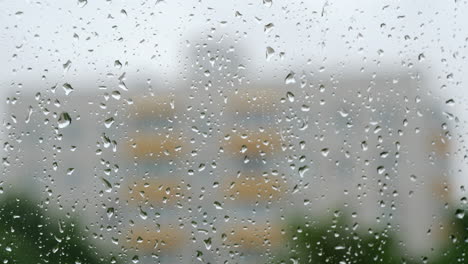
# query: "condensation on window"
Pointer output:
{"type": "Point", "coordinates": [233, 132]}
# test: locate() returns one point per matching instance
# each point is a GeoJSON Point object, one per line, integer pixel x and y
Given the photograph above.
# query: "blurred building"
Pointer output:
{"type": "Point", "coordinates": [214, 174]}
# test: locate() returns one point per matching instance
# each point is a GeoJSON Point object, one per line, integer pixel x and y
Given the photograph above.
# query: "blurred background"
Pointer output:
{"type": "Point", "coordinates": [233, 132]}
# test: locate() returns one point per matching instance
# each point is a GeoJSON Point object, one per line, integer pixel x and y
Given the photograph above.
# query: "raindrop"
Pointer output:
{"type": "Point", "coordinates": [66, 66]}
{"type": "Point", "coordinates": [107, 184]}
{"type": "Point", "coordinates": [267, 3]}
{"type": "Point", "coordinates": [325, 152]}
{"type": "Point", "coordinates": [269, 53]}
{"type": "Point", "coordinates": [290, 78]}
{"type": "Point", "coordinates": [218, 205]}
{"type": "Point", "coordinates": [143, 214]}
{"type": "Point", "coordinates": [110, 212]}
{"type": "Point", "coordinates": [380, 169]}
{"type": "Point", "coordinates": [302, 170]}
{"type": "Point", "coordinates": [268, 27]}
{"type": "Point", "coordinates": [421, 57]}
{"type": "Point", "coordinates": [108, 122]}
{"type": "Point", "coordinates": [64, 120]}
{"type": "Point", "coordinates": [460, 213]}
{"type": "Point", "coordinates": [67, 88]}
{"type": "Point", "coordinates": [82, 3]}
{"type": "Point", "coordinates": [207, 243]}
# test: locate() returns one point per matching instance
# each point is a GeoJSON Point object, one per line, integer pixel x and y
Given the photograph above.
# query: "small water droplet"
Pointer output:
{"type": "Point", "coordinates": [268, 3]}
{"type": "Point", "coordinates": [108, 122]}
{"type": "Point", "coordinates": [66, 66]}
{"type": "Point", "coordinates": [460, 213]}
{"type": "Point", "coordinates": [302, 170]}
{"type": "Point", "coordinates": [290, 96]}
{"type": "Point", "coordinates": [268, 27]}
{"type": "Point", "coordinates": [269, 53]}
{"type": "Point", "coordinates": [421, 57]}
{"type": "Point", "coordinates": [218, 205]}
{"type": "Point", "coordinates": [325, 152]}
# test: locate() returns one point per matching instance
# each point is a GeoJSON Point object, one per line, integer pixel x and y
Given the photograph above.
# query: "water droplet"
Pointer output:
{"type": "Point", "coordinates": [143, 214]}
{"type": "Point", "coordinates": [325, 152]}
{"type": "Point", "coordinates": [116, 95]}
{"type": "Point", "coordinates": [343, 113]}
{"type": "Point", "coordinates": [107, 184]}
{"type": "Point", "coordinates": [66, 66]}
{"type": "Point", "coordinates": [117, 64]}
{"type": "Point", "coordinates": [28, 117]}
{"type": "Point", "coordinates": [302, 170]}
{"type": "Point", "coordinates": [421, 57]}
{"type": "Point", "coordinates": [290, 96]}
{"type": "Point", "coordinates": [218, 205]}
{"type": "Point", "coordinates": [460, 213]}
{"type": "Point", "coordinates": [364, 146]}
{"type": "Point", "coordinates": [67, 88]}
{"type": "Point", "coordinates": [64, 120]}
{"type": "Point", "coordinates": [380, 169]}
{"type": "Point", "coordinates": [268, 3]}
{"type": "Point", "coordinates": [207, 243]}
{"type": "Point", "coordinates": [110, 212]}
{"type": "Point", "coordinates": [108, 122]}
{"type": "Point", "coordinates": [268, 27]}
{"type": "Point", "coordinates": [290, 78]}
{"type": "Point", "coordinates": [269, 53]}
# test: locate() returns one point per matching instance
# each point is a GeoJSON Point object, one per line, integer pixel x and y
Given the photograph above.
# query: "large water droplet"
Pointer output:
{"type": "Point", "coordinates": [64, 120]}
{"type": "Point", "coordinates": [269, 53]}
{"type": "Point", "coordinates": [290, 78]}
{"type": "Point", "coordinates": [67, 88]}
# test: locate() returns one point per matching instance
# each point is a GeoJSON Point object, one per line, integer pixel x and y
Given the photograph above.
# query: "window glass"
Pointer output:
{"type": "Point", "coordinates": [257, 131]}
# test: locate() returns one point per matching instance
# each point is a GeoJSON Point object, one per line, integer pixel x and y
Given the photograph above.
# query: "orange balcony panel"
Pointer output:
{"type": "Point", "coordinates": [166, 239]}
{"type": "Point", "coordinates": [160, 106]}
{"type": "Point", "coordinates": [255, 101]}
{"type": "Point", "coordinates": [253, 189]}
{"type": "Point", "coordinates": [254, 237]}
{"type": "Point", "coordinates": [255, 143]}
{"type": "Point", "coordinates": [156, 146]}
{"type": "Point", "coordinates": [155, 191]}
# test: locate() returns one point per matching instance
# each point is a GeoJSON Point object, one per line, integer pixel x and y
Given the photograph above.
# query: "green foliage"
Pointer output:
{"type": "Point", "coordinates": [457, 249]}
{"type": "Point", "coordinates": [335, 241]}
{"type": "Point", "coordinates": [27, 235]}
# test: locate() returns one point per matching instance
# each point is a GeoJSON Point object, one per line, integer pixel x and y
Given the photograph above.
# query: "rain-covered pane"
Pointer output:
{"type": "Point", "coordinates": [257, 131]}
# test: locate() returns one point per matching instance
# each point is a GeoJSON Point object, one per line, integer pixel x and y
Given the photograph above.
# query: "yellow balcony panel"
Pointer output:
{"type": "Point", "coordinates": [254, 101]}
{"type": "Point", "coordinates": [156, 146]}
{"type": "Point", "coordinates": [155, 191]}
{"type": "Point", "coordinates": [254, 188]}
{"type": "Point", "coordinates": [254, 237]}
{"type": "Point", "coordinates": [254, 143]}
{"type": "Point", "coordinates": [440, 145]}
{"type": "Point", "coordinates": [166, 239]}
{"type": "Point", "coordinates": [156, 106]}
